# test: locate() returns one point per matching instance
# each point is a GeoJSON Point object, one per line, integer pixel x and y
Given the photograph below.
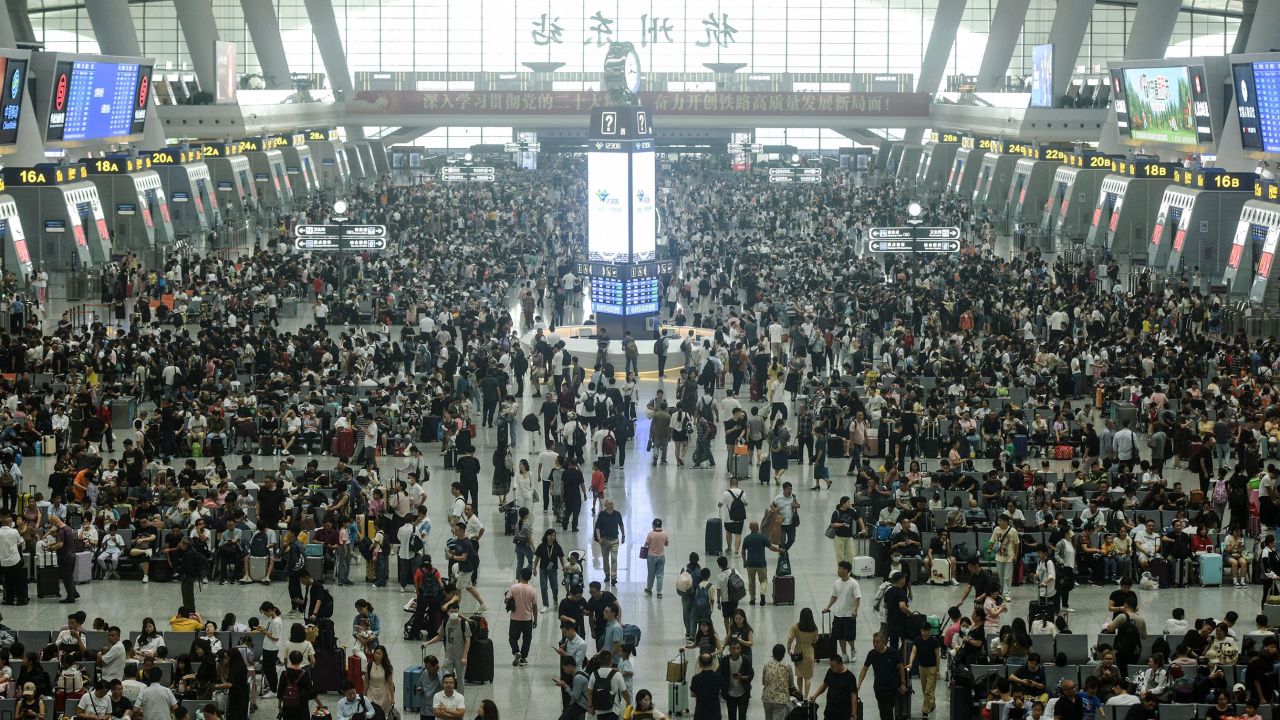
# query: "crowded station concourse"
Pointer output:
{"type": "Point", "coordinates": [840, 435]}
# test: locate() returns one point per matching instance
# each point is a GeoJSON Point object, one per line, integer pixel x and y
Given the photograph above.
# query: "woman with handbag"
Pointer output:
{"type": "Point", "coordinates": [800, 641]}
{"type": "Point", "coordinates": [654, 553]}
{"type": "Point", "coordinates": [380, 679]}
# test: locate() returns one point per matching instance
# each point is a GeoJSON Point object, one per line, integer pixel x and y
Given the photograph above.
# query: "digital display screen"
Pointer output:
{"type": "Point", "coordinates": [92, 100]}
{"type": "Point", "coordinates": [224, 58]}
{"type": "Point", "coordinates": [642, 296]}
{"type": "Point", "coordinates": [608, 178]}
{"type": "Point", "coordinates": [1257, 88]}
{"type": "Point", "coordinates": [179, 196]}
{"type": "Point", "coordinates": [1042, 76]}
{"type": "Point", "coordinates": [224, 185]}
{"type": "Point", "coordinates": [1164, 106]}
{"type": "Point", "coordinates": [14, 76]}
{"type": "Point", "coordinates": [644, 243]}
{"type": "Point", "coordinates": [606, 295]}
{"type": "Point", "coordinates": [1118, 101]}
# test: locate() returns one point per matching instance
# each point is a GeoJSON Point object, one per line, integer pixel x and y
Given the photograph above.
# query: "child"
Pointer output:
{"type": "Point", "coordinates": [573, 570]}
{"type": "Point", "coordinates": [1089, 700]}
{"type": "Point", "coordinates": [627, 669]}
{"type": "Point", "coordinates": [598, 485]}
{"type": "Point", "coordinates": [1177, 625]}
{"type": "Point", "coordinates": [1251, 711]}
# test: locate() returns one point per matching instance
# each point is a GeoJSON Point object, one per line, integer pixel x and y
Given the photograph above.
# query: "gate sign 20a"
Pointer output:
{"type": "Point", "coordinates": [914, 239]}
{"type": "Point", "coordinates": [354, 238]}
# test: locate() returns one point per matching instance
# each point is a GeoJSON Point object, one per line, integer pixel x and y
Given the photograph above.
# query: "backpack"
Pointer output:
{"type": "Point", "coordinates": [1127, 639]}
{"type": "Point", "coordinates": [602, 693]}
{"type": "Point", "coordinates": [259, 545]}
{"type": "Point", "coordinates": [290, 693]}
{"type": "Point", "coordinates": [609, 445]}
{"type": "Point", "coordinates": [684, 582]}
{"type": "Point", "coordinates": [701, 601]}
{"type": "Point", "coordinates": [579, 435]}
{"type": "Point", "coordinates": [415, 542]}
{"type": "Point", "coordinates": [430, 585]}
{"type": "Point", "coordinates": [737, 508]}
{"type": "Point", "coordinates": [6, 477]}
{"type": "Point", "coordinates": [880, 591]}
{"type": "Point", "coordinates": [530, 422]}
{"type": "Point", "coordinates": [590, 403]}
{"type": "Point", "coordinates": [962, 552]}
{"type": "Point", "coordinates": [736, 587]}
{"type": "Point", "coordinates": [299, 562]}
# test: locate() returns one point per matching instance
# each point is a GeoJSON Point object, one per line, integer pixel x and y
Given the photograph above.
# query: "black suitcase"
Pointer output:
{"type": "Point", "coordinates": [765, 472]}
{"type": "Point", "coordinates": [835, 446]}
{"type": "Point", "coordinates": [265, 444]}
{"type": "Point", "coordinates": [1159, 568]}
{"type": "Point", "coordinates": [929, 447]}
{"type": "Point", "coordinates": [880, 554]}
{"type": "Point", "coordinates": [1040, 610]}
{"type": "Point", "coordinates": [806, 710]}
{"type": "Point", "coordinates": [715, 536]}
{"type": "Point", "coordinates": [510, 518]}
{"type": "Point", "coordinates": [330, 670]}
{"type": "Point", "coordinates": [480, 662]}
{"type": "Point", "coordinates": [48, 582]}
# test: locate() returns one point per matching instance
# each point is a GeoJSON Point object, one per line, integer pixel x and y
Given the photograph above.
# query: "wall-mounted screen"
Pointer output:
{"type": "Point", "coordinates": [1042, 76]}
{"type": "Point", "coordinates": [224, 57]}
{"type": "Point", "coordinates": [643, 223]}
{"type": "Point", "coordinates": [1257, 89]}
{"type": "Point", "coordinates": [1119, 102]}
{"type": "Point", "coordinates": [13, 75]}
{"type": "Point", "coordinates": [95, 100]}
{"type": "Point", "coordinates": [1161, 106]}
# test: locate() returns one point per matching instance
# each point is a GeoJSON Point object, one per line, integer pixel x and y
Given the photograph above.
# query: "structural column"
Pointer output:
{"type": "Point", "coordinates": [264, 29]}
{"type": "Point", "coordinates": [1006, 28]}
{"type": "Point", "coordinates": [325, 26]}
{"type": "Point", "coordinates": [19, 23]}
{"type": "Point", "coordinates": [113, 25]}
{"type": "Point", "coordinates": [945, 24]}
{"type": "Point", "coordinates": [1070, 21]}
{"type": "Point", "coordinates": [201, 32]}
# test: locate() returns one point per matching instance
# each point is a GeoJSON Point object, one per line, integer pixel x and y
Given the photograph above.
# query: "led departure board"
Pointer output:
{"type": "Point", "coordinates": [1257, 88]}
{"type": "Point", "coordinates": [95, 100]}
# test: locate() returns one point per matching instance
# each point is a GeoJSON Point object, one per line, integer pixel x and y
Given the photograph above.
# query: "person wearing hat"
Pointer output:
{"type": "Point", "coordinates": [30, 705]}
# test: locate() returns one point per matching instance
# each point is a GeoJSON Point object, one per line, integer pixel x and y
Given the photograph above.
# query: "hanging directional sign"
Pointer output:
{"type": "Point", "coordinates": [467, 173]}
{"type": "Point", "coordinates": [794, 174]}
{"type": "Point", "coordinates": [919, 239]}
{"type": "Point", "coordinates": [354, 238]}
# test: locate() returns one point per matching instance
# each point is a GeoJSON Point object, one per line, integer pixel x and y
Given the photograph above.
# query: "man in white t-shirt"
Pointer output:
{"type": "Point", "coordinates": [448, 704]}
{"type": "Point", "coordinates": [112, 657]}
{"type": "Point", "coordinates": [1122, 698]}
{"type": "Point", "coordinates": [95, 704]}
{"type": "Point", "coordinates": [156, 700]}
{"type": "Point", "coordinates": [846, 598]}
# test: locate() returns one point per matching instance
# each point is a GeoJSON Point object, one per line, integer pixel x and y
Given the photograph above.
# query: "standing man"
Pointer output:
{"type": "Point", "coordinates": [469, 476]}
{"type": "Point", "coordinates": [64, 543]}
{"type": "Point", "coordinates": [1007, 549]}
{"type": "Point", "coordinates": [846, 598]}
{"type": "Point", "coordinates": [787, 504]}
{"type": "Point", "coordinates": [632, 354]}
{"type": "Point", "coordinates": [190, 570]}
{"type": "Point", "coordinates": [753, 560]}
{"type": "Point", "coordinates": [846, 521]}
{"type": "Point", "coordinates": [610, 532]}
{"type": "Point", "coordinates": [607, 698]}
{"type": "Point", "coordinates": [12, 569]}
{"type": "Point", "coordinates": [522, 603]}
{"type": "Point", "coordinates": [660, 352]}
{"type": "Point", "coordinates": [841, 689]}
{"type": "Point", "coordinates": [659, 432]}
{"type": "Point", "coordinates": [737, 674]}
{"type": "Point", "coordinates": [889, 675]}
{"type": "Point", "coordinates": [927, 650]}
{"type": "Point", "coordinates": [896, 609]}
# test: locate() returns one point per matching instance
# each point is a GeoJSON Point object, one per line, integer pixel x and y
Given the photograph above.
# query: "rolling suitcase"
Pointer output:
{"type": "Point", "coordinates": [902, 706]}
{"type": "Point", "coordinates": [344, 443]}
{"type": "Point", "coordinates": [835, 446]}
{"type": "Point", "coordinates": [411, 698]}
{"type": "Point", "coordinates": [873, 443]}
{"type": "Point", "coordinates": [1160, 570]}
{"type": "Point", "coordinates": [739, 467]}
{"type": "Point", "coordinates": [84, 567]}
{"type": "Point", "coordinates": [784, 590]}
{"type": "Point", "coordinates": [864, 566]}
{"type": "Point", "coordinates": [929, 447]}
{"type": "Point", "coordinates": [330, 669]}
{"type": "Point", "coordinates": [48, 582]}
{"type": "Point", "coordinates": [480, 662]}
{"type": "Point", "coordinates": [764, 472]}
{"type": "Point", "coordinates": [1210, 569]}
{"type": "Point", "coordinates": [1041, 609]}
{"type": "Point", "coordinates": [677, 698]}
{"type": "Point", "coordinates": [715, 536]}
{"type": "Point", "coordinates": [355, 673]}
{"type": "Point", "coordinates": [315, 566]}
{"type": "Point", "coordinates": [940, 571]}
{"type": "Point", "coordinates": [258, 569]}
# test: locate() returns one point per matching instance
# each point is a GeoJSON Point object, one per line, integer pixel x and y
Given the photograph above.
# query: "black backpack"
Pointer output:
{"type": "Point", "coordinates": [602, 693]}
{"type": "Point", "coordinates": [737, 508]}
{"type": "Point", "coordinates": [1128, 641]}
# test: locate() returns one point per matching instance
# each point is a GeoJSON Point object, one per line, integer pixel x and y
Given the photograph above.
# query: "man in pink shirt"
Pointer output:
{"type": "Point", "coordinates": [522, 603]}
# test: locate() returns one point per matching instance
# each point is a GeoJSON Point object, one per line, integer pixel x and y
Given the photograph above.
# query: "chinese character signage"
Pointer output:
{"type": "Point", "coordinates": [413, 102]}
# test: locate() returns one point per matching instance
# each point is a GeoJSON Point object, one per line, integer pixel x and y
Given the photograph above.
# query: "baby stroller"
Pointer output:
{"type": "Point", "coordinates": [573, 572]}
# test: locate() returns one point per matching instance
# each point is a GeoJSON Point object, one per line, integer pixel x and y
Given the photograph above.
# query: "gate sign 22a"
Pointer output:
{"type": "Point", "coordinates": [353, 238]}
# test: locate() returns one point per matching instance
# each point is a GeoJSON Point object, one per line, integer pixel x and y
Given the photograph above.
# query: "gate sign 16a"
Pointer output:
{"type": "Point", "coordinates": [914, 239]}
{"type": "Point", "coordinates": [353, 238]}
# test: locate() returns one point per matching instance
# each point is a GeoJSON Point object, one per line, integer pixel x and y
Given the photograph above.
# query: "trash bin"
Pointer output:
{"type": "Point", "coordinates": [123, 411]}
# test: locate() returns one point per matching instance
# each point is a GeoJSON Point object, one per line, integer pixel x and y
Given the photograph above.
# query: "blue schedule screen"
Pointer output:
{"type": "Point", "coordinates": [1257, 89]}
{"type": "Point", "coordinates": [94, 100]}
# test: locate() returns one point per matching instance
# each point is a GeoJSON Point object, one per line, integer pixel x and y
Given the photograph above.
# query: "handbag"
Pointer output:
{"type": "Point", "coordinates": [830, 532]}
{"type": "Point", "coordinates": [676, 668]}
{"type": "Point", "coordinates": [797, 657]}
{"type": "Point", "coordinates": [535, 496]}
{"type": "Point", "coordinates": [644, 552]}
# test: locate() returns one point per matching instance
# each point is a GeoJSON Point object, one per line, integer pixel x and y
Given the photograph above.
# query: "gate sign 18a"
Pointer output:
{"type": "Point", "coordinates": [353, 238]}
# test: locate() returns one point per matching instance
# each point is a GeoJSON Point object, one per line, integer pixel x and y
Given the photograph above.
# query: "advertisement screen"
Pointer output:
{"type": "Point", "coordinates": [1042, 76]}
{"type": "Point", "coordinates": [608, 178]}
{"type": "Point", "coordinates": [93, 100]}
{"type": "Point", "coordinates": [13, 75]}
{"type": "Point", "coordinates": [224, 56]}
{"type": "Point", "coordinates": [1159, 105]}
{"type": "Point", "coordinates": [1257, 88]}
{"type": "Point", "coordinates": [643, 224]}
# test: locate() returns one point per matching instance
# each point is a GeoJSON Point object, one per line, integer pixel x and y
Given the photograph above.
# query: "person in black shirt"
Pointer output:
{"type": "Point", "coordinates": [270, 503]}
{"type": "Point", "coordinates": [319, 605]}
{"type": "Point", "coordinates": [469, 475]}
{"type": "Point", "coordinates": [707, 687]}
{"type": "Point", "coordinates": [1116, 601]}
{"type": "Point", "coordinates": [574, 492]}
{"type": "Point", "coordinates": [1030, 676]}
{"type": "Point", "coordinates": [1069, 706]}
{"type": "Point", "coordinates": [600, 599]}
{"type": "Point", "coordinates": [889, 676]}
{"type": "Point", "coordinates": [841, 689]}
{"type": "Point", "coordinates": [981, 583]}
{"type": "Point", "coordinates": [1149, 709]}
{"type": "Point", "coordinates": [927, 651]}
{"type": "Point", "coordinates": [573, 609]}
{"type": "Point", "coordinates": [1258, 676]}
{"type": "Point", "coordinates": [896, 608]}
